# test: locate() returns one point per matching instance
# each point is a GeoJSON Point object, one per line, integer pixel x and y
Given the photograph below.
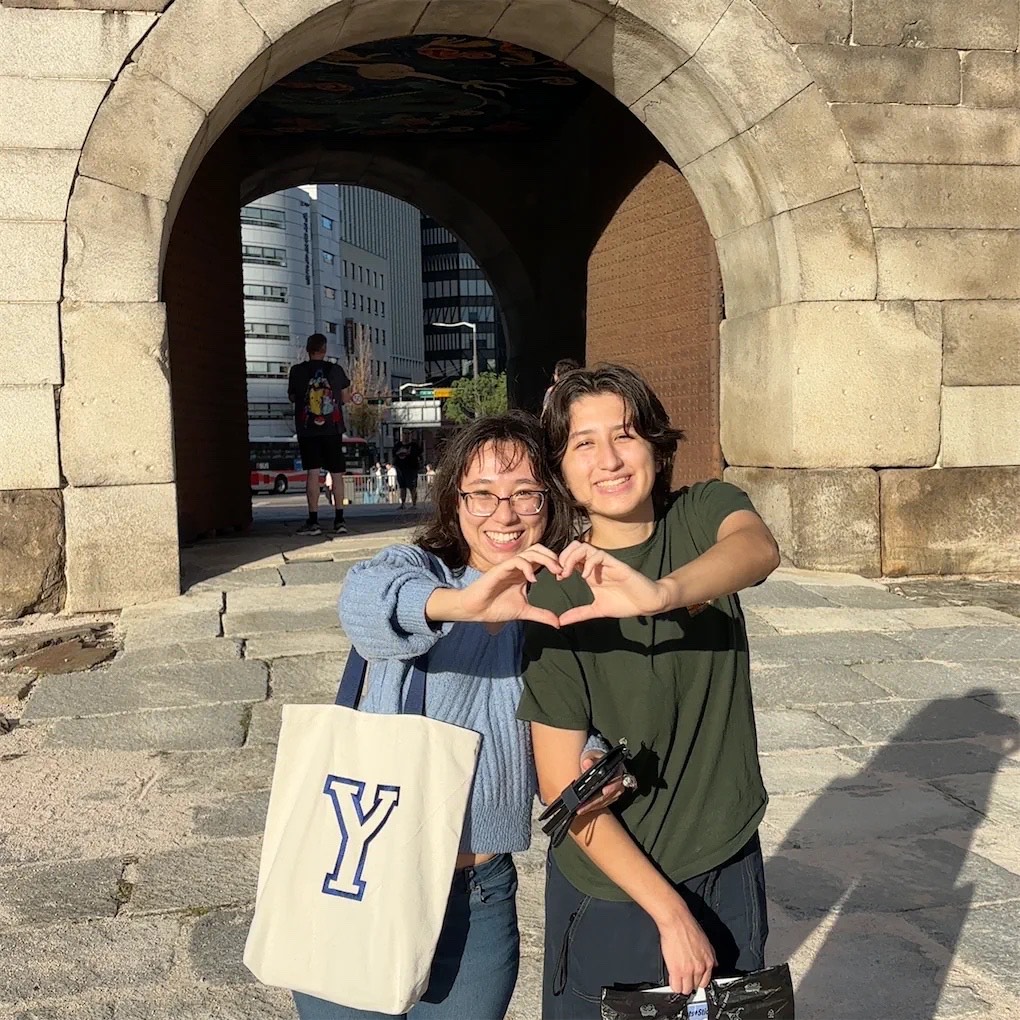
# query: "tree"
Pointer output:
{"type": "Point", "coordinates": [365, 418]}
{"type": "Point", "coordinates": [461, 407]}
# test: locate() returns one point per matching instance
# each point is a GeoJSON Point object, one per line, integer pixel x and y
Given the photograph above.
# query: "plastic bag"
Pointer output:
{"type": "Point", "coordinates": [763, 995]}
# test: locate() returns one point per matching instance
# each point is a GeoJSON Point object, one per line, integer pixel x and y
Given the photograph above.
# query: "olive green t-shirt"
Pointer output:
{"type": "Point", "coordinates": [676, 686]}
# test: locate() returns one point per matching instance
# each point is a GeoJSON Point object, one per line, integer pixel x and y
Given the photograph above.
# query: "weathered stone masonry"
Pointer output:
{"type": "Point", "coordinates": [857, 164]}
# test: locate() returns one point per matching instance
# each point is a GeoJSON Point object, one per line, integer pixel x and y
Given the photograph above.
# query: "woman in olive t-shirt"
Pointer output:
{"type": "Point", "coordinates": [652, 648]}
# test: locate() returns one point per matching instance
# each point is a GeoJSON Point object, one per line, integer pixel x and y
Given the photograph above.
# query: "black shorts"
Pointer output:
{"type": "Point", "coordinates": [322, 452]}
{"type": "Point", "coordinates": [407, 480]}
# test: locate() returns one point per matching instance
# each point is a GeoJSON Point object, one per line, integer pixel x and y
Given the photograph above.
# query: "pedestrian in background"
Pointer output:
{"type": "Point", "coordinates": [560, 369]}
{"type": "Point", "coordinates": [318, 389]}
{"type": "Point", "coordinates": [391, 480]}
{"type": "Point", "coordinates": [407, 460]}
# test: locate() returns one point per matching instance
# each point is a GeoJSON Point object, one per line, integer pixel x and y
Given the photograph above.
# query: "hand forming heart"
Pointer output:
{"type": "Point", "coordinates": [619, 591]}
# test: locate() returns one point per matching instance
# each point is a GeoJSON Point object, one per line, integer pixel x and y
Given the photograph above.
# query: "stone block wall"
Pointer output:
{"type": "Point", "coordinates": [856, 161]}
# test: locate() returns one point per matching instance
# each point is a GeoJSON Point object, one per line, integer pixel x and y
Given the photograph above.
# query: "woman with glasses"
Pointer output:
{"type": "Point", "coordinates": [457, 596]}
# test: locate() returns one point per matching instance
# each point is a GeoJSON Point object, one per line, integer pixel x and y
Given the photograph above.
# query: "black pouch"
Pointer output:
{"type": "Point", "coordinates": [762, 995]}
{"type": "Point", "coordinates": [556, 818]}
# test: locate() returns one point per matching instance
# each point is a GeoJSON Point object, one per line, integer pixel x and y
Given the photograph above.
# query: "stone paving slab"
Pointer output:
{"type": "Point", "coordinates": [984, 937]}
{"type": "Point", "coordinates": [929, 760]}
{"type": "Point", "coordinates": [895, 876]}
{"type": "Point", "coordinates": [786, 729]}
{"type": "Point", "coordinates": [896, 721]}
{"type": "Point", "coordinates": [859, 596]}
{"type": "Point", "coordinates": [58, 891]}
{"type": "Point", "coordinates": [308, 642]}
{"type": "Point", "coordinates": [941, 680]}
{"type": "Point", "coordinates": [882, 970]}
{"type": "Point", "coordinates": [243, 814]}
{"type": "Point", "coordinates": [785, 594]}
{"type": "Point", "coordinates": [846, 647]}
{"type": "Point", "coordinates": [328, 572]}
{"type": "Point", "coordinates": [847, 816]}
{"type": "Point", "coordinates": [143, 633]}
{"type": "Point", "coordinates": [965, 644]}
{"type": "Point", "coordinates": [307, 679]}
{"type": "Point", "coordinates": [806, 683]}
{"type": "Point", "coordinates": [997, 797]}
{"type": "Point", "coordinates": [232, 580]}
{"type": "Point", "coordinates": [165, 609]}
{"type": "Point", "coordinates": [216, 947]}
{"type": "Point", "coordinates": [176, 729]}
{"type": "Point", "coordinates": [805, 771]}
{"type": "Point", "coordinates": [208, 650]}
{"type": "Point", "coordinates": [212, 874]}
{"type": "Point", "coordinates": [291, 598]}
{"type": "Point", "coordinates": [108, 953]}
{"type": "Point", "coordinates": [267, 621]}
{"type": "Point", "coordinates": [816, 620]}
{"type": "Point", "coordinates": [182, 684]}
{"type": "Point", "coordinates": [756, 625]}
{"type": "Point", "coordinates": [266, 720]}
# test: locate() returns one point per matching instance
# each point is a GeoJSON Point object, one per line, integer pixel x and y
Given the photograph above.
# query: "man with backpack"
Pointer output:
{"type": "Point", "coordinates": [318, 389]}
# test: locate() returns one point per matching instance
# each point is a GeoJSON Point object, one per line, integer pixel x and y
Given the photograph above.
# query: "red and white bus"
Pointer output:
{"type": "Point", "coordinates": [276, 463]}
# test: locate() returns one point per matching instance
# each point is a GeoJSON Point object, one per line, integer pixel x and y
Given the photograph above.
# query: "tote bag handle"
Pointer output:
{"type": "Point", "coordinates": [353, 680]}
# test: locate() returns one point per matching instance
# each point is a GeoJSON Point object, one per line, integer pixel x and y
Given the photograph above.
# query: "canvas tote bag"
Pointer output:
{"type": "Point", "coordinates": [361, 839]}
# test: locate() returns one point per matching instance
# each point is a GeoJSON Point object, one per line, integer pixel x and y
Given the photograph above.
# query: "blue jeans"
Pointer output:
{"type": "Point", "coordinates": [475, 967]}
{"type": "Point", "coordinates": [590, 943]}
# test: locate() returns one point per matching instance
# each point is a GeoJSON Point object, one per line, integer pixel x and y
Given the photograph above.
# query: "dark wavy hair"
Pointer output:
{"type": "Point", "coordinates": [514, 435]}
{"type": "Point", "coordinates": [645, 416]}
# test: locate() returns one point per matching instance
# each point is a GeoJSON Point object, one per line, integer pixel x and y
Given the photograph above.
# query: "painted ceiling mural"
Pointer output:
{"type": "Point", "coordinates": [420, 85]}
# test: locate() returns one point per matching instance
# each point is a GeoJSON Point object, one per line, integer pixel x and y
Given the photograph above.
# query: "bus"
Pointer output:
{"type": "Point", "coordinates": [275, 463]}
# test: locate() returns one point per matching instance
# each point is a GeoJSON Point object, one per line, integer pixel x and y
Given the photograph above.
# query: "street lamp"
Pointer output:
{"type": "Point", "coordinates": [407, 385]}
{"type": "Point", "coordinates": [474, 352]}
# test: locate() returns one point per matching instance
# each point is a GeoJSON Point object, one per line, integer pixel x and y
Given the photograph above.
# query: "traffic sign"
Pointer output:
{"type": "Point", "coordinates": [357, 398]}
{"type": "Point", "coordinates": [442, 392]}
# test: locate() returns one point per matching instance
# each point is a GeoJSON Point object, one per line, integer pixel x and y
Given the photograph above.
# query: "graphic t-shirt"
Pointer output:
{"type": "Point", "coordinates": [315, 388]}
{"type": "Point", "coordinates": [676, 686]}
{"type": "Point", "coordinates": [407, 458]}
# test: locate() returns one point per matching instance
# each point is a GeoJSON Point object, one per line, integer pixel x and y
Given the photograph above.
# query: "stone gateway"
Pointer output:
{"type": "Point", "coordinates": [798, 219]}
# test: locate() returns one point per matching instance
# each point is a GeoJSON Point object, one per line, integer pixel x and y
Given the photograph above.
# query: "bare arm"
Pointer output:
{"type": "Point", "coordinates": [744, 553]}
{"type": "Point", "coordinates": [345, 395]}
{"type": "Point", "coordinates": [688, 954]}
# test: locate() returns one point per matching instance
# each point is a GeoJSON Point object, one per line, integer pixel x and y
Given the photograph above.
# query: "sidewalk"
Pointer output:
{"type": "Point", "coordinates": [134, 795]}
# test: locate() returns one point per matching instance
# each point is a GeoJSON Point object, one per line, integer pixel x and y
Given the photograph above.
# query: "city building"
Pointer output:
{"type": "Point", "coordinates": [342, 261]}
{"type": "Point", "coordinates": [382, 276]}
{"type": "Point", "coordinates": [455, 289]}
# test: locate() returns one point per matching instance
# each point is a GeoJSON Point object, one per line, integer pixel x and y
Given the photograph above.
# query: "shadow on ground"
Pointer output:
{"type": "Point", "coordinates": [879, 872]}
{"type": "Point", "coordinates": [267, 543]}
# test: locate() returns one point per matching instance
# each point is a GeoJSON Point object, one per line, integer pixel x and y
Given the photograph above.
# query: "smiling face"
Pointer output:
{"type": "Point", "coordinates": [501, 472]}
{"type": "Point", "coordinates": [608, 467]}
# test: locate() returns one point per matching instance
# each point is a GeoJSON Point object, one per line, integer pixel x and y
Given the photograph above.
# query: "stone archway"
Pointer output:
{"type": "Point", "coordinates": [714, 81]}
{"type": "Point", "coordinates": [424, 189]}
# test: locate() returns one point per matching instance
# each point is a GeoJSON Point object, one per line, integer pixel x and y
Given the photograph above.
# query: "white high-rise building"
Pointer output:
{"type": "Point", "coordinates": [377, 228]}
{"type": "Point", "coordinates": [327, 259]}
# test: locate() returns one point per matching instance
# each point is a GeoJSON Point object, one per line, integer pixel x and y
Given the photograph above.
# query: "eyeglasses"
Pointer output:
{"type": "Point", "coordinates": [485, 504]}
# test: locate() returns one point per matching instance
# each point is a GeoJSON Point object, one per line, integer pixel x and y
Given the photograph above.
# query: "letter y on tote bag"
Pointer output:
{"type": "Point", "coordinates": [364, 822]}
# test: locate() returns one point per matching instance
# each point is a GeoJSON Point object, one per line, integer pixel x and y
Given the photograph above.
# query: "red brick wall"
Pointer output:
{"type": "Point", "coordinates": [202, 287]}
{"type": "Point", "coordinates": [654, 303]}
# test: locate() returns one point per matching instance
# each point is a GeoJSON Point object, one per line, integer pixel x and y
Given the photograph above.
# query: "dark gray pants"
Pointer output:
{"type": "Point", "coordinates": [591, 944]}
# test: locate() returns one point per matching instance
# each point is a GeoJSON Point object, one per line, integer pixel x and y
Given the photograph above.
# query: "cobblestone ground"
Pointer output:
{"type": "Point", "coordinates": [133, 796]}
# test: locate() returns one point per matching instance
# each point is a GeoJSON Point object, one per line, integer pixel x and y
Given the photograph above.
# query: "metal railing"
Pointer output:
{"type": "Point", "coordinates": [369, 490]}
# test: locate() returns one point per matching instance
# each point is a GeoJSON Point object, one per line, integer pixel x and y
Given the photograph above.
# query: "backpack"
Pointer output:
{"type": "Point", "coordinates": [321, 405]}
